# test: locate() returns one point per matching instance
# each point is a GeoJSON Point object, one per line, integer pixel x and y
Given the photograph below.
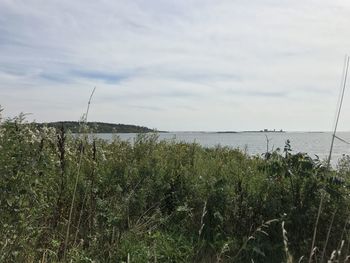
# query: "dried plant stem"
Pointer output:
{"type": "Point", "coordinates": [328, 234]}
{"type": "Point", "coordinates": [343, 86]}
{"type": "Point", "coordinates": [289, 258]}
{"type": "Point", "coordinates": [348, 244]}
{"type": "Point", "coordinates": [204, 212]}
{"type": "Point", "coordinates": [80, 216]}
{"type": "Point", "coordinates": [323, 194]}
{"type": "Point", "coordinates": [76, 181]}
{"type": "Point", "coordinates": [342, 234]}
{"type": "Point", "coordinates": [85, 196]}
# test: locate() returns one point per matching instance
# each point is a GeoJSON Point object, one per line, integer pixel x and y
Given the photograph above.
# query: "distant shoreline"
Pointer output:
{"type": "Point", "coordinates": [97, 127]}
{"type": "Point", "coordinates": [105, 127]}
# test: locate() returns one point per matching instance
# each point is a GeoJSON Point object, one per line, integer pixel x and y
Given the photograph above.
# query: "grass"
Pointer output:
{"type": "Point", "coordinates": [156, 201]}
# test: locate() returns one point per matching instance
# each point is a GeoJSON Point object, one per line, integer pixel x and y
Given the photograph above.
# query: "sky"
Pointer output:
{"type": "Point", "coordinates": [177, 65]}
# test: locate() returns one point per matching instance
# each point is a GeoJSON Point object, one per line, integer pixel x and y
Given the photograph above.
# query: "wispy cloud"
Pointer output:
{"type": "Point", "coordinates": [151, 108]}
{"type": "Point", "coordinates": [166, 58]}
{"type": "Point", "coordinates": [111, 78]}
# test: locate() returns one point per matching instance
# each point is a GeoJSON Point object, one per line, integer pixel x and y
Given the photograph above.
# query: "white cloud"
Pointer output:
{"type": "Point", "coordinates": [176, 65]}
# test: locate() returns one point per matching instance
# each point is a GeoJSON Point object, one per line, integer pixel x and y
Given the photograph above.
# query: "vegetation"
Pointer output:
{"type": "Point", "coordinates": [96, 127]}
{"type": "Point", "coordinates": [156, 201]}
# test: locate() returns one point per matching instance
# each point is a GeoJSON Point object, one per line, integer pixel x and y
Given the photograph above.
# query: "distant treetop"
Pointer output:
{"type": "Point", "coordinates": [98, 127]}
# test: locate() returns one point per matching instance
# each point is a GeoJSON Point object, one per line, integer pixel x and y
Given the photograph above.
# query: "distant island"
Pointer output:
{"type": "Point", "coordinates": [97, 127]}
{"type": "Point", "coordinates": [226, 132]}
{"type": "Point", "coordinates": [274, 130]}
{"type": "Point", "coordinates": [265, 130]}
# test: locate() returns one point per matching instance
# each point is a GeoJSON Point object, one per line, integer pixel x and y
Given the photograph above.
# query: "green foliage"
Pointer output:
{"type": "Point", "coordinates": [97, 127]}
{"type": "Point", "coordinates": [156, 201]}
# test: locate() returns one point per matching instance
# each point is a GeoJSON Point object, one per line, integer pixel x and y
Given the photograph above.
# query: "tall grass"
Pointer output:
{"type": "Point", "coordinates": [156, 201]}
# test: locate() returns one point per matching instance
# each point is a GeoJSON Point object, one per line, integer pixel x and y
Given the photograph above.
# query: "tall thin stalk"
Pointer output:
{"type": "Point", "coordinates": [328, 234]}
{"type": "Point", "coordinates": [338, 112]}
{"type": "Point", "coordinates": [323, 194]}
{"type": "Point", "coordinates": [76, 180]}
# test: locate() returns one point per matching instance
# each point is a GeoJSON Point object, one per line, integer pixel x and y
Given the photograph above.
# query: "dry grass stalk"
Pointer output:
{"type": "Point", "coordinates": [223, 250]}
{"type": "Point", "coordinates": [335, 256]}
{"type": "Point", "coordinates": [328, 234]}
{"type": "Point", "coordinates": [323, 195]}
{"type": "Point", "coordinates": [76, 181]}
{"type": "Point", "coordinates": [204, 212]}
{"type": "Point", "coordinates": [313, 252]}
{"type": "Point", "coordinates": [289, 258]}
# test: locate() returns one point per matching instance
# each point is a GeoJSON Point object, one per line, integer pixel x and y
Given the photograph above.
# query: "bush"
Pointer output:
{"type": "Point", "coordinates": [160, 201]}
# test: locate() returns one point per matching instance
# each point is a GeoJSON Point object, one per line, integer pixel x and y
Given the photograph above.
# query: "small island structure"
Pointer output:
{"type": "Point", "coordinates": [266, 131]}
{"type": "Point", "coordinates": [274, 130]}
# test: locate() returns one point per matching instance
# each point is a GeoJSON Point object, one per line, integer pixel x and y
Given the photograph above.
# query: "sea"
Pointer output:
{"type": "Point", "coordinates": [316, 144]}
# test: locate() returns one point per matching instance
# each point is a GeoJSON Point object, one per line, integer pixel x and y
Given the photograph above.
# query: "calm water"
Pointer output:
{"type": "Point", "coordinates": [313, 143]}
